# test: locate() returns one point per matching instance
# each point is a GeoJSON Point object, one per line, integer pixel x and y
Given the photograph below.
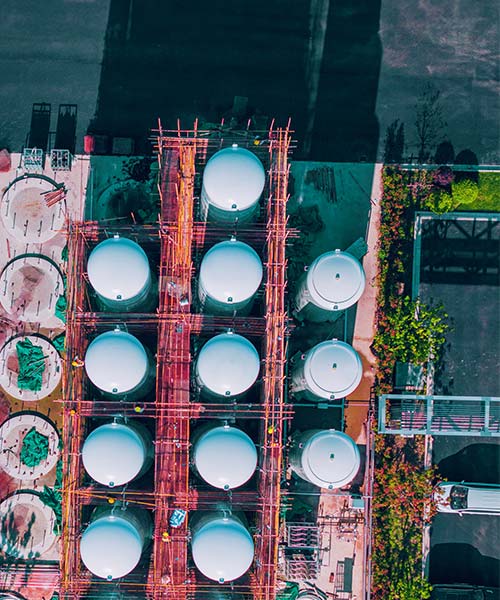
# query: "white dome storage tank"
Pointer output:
{"type": "Point", "coordinates": [233, 181]}
{"type": "Point", "coordinates": [116, 453]}
{"type": "Point", "coordinates": [327, 458]}
{"type": "Point", "coordinates": [227, 365]}
{"type": "Point", "coordinates": [221, 545]}
{"type": "Point", "coordinates": [230, 275]}
{"type": "Point", "coordinates": [120, 274]}
{"type": "Point", "coordinates": [329, 371]}
{"type": "Point", "coordinates": [223, 456]}
{"type": "Point", "coordinates": [119, 365]}
{"type": "Point", "coordinates": [112, 545]}
{"type": "Point", "coordinates": [334, 281]}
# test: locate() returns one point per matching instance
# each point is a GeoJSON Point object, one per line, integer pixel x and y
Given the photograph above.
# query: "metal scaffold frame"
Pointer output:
{"type": "Point", "coordinates": [179, 238]}
{"type": "Point", "coordinates": [274, 376]}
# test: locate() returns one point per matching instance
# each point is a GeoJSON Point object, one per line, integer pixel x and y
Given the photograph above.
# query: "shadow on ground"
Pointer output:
{"type": "Point", "coordinates": [178, 60]}
{"type": "Point", "coordinates": [462, 563]}
{"type": "Point", "coordinates": [480, 461]}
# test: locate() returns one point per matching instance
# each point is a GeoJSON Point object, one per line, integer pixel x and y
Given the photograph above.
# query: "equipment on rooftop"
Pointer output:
{"type": "Point", "coordinates": [224, 456]}
{"type": "Point", "coordinates": [116, 453]}
{"type": "Point", "coordinates": [112, 544]}
{"type": "Point", "coordinates": [221, 545]}
{"type": "Point", "coordinates": [230, 275]}
{"type": "Point", "coordinates": [118, 364]}
{"type": "Point", "coordinates": [119, 272]}
{"type": "Point", "coordinates": [326, 458]}
{"type": "Point", "coordinates": [233, 181]}
{"type": "Point", "coordinates": [330, 370]}
{"type": "Point", "coordinates": [227, 366]}
{"type": "Point", "coordinates": [334, 281]}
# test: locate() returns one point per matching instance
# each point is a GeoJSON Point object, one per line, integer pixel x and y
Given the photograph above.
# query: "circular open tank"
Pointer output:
{"type": "Point", "coordinates": [230, 275]}
{"type": "Point", "coordinates": [227, 365]}
{"type": "Point", "coordinates": [30, 367]}
{"type": "Point", "coordinates": [327, 458]}
{"type": "Point", "coordinates": [118, 364]}
{"type": "Point", "coordinates": [30, 286]}
{"type": "Point", "coordinates": [112, 544]}
{"type": "Point", "coordinates": [29, 446]}
{"type": "Point", "coordinates": [233, 181]}
{"type": "Point", "coordinates": [221, 546]}
{"type": "Point", "coordinates": [334, 281]}
{"type": "Point", "coordinates": [24, 211]}
{"type": "Point", "coordinates": [330, 370]}
{"type": "Point", "coordinates": [29, 529]}
{"type": "Point", "coordinates": [116, 453]}
{"type": "Point", "coordinates": [223, 456]}
{"type": "Point", "coordinates": [119, 272]}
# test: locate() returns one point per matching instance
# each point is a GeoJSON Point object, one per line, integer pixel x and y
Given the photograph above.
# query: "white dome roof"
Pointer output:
{"type": "Point", "coordinates": [234, 179]}
{"type": "Point", "coordinates": [111, 547]}
{"type": "Point", "coordinates": [333, 369]}
{"type": "Point", "coordinates": [116, 362]}
{"type": "Point", "coordinates": [223, 549]}
{"type": "Point", "coordinates": [113, 454]}
{"type": "Point", "coordinates": [335, 280]}
{"type": "Point", "coordinates": [330, 459]}
{"type": "Point", "coordinates": [225, 457]}
{"type": "Point", "coordinates": [228, 364]}
{"type": "Point", "coordinates": [118, 269]}
{"type": "Point", "coordinates": [231, 272]}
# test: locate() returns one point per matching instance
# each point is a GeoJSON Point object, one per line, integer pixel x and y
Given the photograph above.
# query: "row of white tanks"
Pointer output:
{"type": "Point", "coordinates": [225, 457]}
{"type": "Point", "coordinates": [229, 277]}
{"type": "Point", "coordinates": [227, 366]}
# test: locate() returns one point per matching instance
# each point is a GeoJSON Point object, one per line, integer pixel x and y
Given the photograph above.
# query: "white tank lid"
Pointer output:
{"type": "Point", "coordinates": [223, 549]}
{"type": "Point", "coordinates": [330, 459]}
{"type": "Point", "coordinates": [225, 457]}
{"type": "Point", "coordinates": [333, 369]}
{"type": "Point", "coordinates": [228, 364]}
{"type": "Point", "coordinates": [231, 271]}
{"type": "Point", "coordinates": [111, 547]}
{"type": "Point", "coordinates": [335, 280]}
{"type": "Point", "coordinates": [118, 269]}
{"type": "Point", "coordinates": [116, 362]}
{"type": "Point", "coordinates": [234, 178]}
{"type": "Point", "coordinates": [113, 454]}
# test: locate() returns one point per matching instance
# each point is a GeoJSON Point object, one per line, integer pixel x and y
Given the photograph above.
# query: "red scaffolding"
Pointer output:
{"type": "Point", "coordinates": [181, 155]}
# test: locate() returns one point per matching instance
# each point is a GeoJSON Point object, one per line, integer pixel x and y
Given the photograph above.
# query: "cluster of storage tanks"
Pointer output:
{"type": "Point", "coordinates": [226, 367]}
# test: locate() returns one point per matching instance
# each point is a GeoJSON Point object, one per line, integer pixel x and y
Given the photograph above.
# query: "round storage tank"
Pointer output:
{"type": "Point", "coordinates": [227, 365]}
{"type": "Point", "coordinates": [327, 458]}
{"type": "Point", "coordinates": [115, 453]}
{"type": "Point", "coordinates": [222, 547]}
{"type": "Point", "coordinates": [233, 181]}
{"type": "Point", "coordinates": [230, 275]}
{"type": "Point", "coordinates": [119, 272]}
{"type": "Point", "coordinates": [334, 281]}
{"type": "Point", "coordinates": [118, 364]}
{"type": "Point", "coordinates": [225, 457]}
{"type": "Point", "coordinates": [112, 544]}
{"type": "Point", "coordinates": [329, 371]}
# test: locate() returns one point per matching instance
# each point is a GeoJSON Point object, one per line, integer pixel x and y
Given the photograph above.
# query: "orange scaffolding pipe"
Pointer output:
{"type": "Point", "coordinates": [168, 574]}
{"type": "Point", "coordinates": [268, 521]}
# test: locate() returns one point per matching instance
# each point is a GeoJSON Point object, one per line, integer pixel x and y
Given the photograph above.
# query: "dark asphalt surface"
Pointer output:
{"type": "Point", "coordinates": [127, 62]}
